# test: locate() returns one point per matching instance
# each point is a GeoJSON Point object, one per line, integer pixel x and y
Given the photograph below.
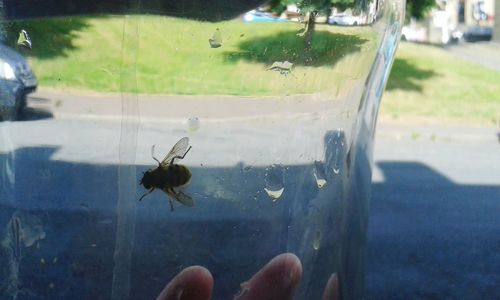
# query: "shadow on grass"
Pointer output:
{"type": "Point", "coordinates": [406, 76]}
{"type": "Point", "coordinates": [50, 37]}
{"type": "Point", "coordinates": [213, 10]}
{"type": "Point", "coordinates": [327, 48]}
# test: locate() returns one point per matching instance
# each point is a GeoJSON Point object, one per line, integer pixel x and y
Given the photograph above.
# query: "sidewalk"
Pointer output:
{"type": "Point", "coordinates": [108, 107]}
{"type": "Point", "coordinates": [437, 132]}
{"type": "Point", "coordinates": [483, 53]}
{"type": "Point", "coordinates": [88, 105]}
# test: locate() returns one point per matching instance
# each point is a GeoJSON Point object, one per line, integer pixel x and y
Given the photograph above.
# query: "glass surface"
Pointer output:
{"type": "Point", "coordinates": [280, 113]}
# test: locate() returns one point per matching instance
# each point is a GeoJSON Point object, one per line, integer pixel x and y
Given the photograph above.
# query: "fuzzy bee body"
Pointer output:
{"type": "Point", "coordinates": [168, 176]}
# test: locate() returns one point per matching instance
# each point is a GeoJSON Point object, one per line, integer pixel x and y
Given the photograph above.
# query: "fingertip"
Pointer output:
{"type": "Point", "coordinates": [332, 291]}
{"type": "Point", "coordinates": [287, 264]}
{"type": "Point", "coordinates": [278, 279]}
{"type": "Point", "coordinates": [193, 283]}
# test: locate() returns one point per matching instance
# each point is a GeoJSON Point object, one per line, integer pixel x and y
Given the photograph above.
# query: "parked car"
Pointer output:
{"type": "Point", "coordinates": [478, 33]}
{"type": "Point", "coordinates": [414, 33]}
{"type": "Point", "coordinates": [260, 16]}
{"type": "Point", "coordinates": [344, 19]}
{"type": "Point", "coordinates": [16, 82]}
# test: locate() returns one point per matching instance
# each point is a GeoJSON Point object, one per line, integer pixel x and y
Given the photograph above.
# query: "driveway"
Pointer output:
{"type": "Point", "coordinates": [434, 230]}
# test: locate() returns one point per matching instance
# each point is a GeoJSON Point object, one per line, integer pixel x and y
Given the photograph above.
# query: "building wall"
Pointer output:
{"type": "Point", "coordinates": [489, 9]}
{"type": "Point", "coordinates": [496, 27]}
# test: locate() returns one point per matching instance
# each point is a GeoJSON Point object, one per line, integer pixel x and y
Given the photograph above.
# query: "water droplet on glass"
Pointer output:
{"type": "Point", "coordinates": [54, 260]}
{"type": "Point", "coordinates": [247, 168]}
{"type": "Point", "coordinates": [284, 67]}
{"type": "Point", "coordinates": [274, 182]}
{"type": "Point", "coordinates": [244, 289]}
{"type": "Point", "coordinates": [274, 194]}
{"type": "Point", "coordinates": [335, 151]}
{"type": "Point", "coordinates": [216, 39]}
{"type": "Point", "coordinates": [193, 124]}
{"type": "Point", "coordinates": [24, 39]}
{"type": "Point", "coordinates": [52, 285]}
{"type": "Point", "coordinates": [317, 240]}
{"type": "Point", "coordinates": [319, 174]}
{"type": "Point", "coordinates": [42, 261]}
{"type": "Point", "coordinates": [179, 293]}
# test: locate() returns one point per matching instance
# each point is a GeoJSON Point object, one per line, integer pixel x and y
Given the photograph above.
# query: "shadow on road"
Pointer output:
{"type": "Point", "coordinates": [67, 211]}
{"type": "Point", "coordinates": [35, 114]}
{"type": "Point", "coordinates": [430, 238]}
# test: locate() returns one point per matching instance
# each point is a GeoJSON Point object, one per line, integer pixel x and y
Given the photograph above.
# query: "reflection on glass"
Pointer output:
{"type": "Point", "coordinates": [279, 103]}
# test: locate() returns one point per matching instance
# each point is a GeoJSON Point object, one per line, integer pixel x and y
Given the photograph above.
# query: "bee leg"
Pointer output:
{"type": "Point", "coordinates": [171, 204]}
{"type": "Point", "coordinates": [149, 192]}
{"type": "Point", "coordinates": [153, 154]}
{"type": "Point", "coordinates": [171, 194]}
{"type": "Point", "coordinates": [180, 157]}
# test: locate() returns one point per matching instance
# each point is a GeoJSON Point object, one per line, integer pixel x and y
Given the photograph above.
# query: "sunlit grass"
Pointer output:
{"type": "Point", "coordinates": [429, 84]}
{"type": "Point", "coordinates": [174, 56]}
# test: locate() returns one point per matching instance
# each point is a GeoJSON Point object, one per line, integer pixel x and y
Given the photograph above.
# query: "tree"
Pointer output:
{"type": "Point", "coordinates": [310, 9]}
{"type": "Point", "coordinates": [418, 8]}
{"type": "Point", "coordinates": [342, 5]}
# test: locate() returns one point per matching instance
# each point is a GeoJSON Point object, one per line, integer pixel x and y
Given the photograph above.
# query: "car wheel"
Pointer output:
{"type": "Point", "coordinates": [20, 106]}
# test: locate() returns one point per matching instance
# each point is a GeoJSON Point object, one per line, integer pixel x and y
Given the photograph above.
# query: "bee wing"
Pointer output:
{"type": "Point", "coordinates": [177, 150]}
{"type": "Point", "coordinates": [184, 199]}
{"type": "Point", "coordinates": [180, 196]}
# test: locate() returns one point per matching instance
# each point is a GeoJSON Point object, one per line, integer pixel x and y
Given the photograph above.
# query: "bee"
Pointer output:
{"type": "Point", "coordinates": [168, 175]}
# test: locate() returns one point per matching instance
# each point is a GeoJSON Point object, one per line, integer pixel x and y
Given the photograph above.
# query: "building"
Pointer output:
{"type": "Point", "coordinates": [496, 27]}
{"type": "Point", "coordinates": [454, 19]}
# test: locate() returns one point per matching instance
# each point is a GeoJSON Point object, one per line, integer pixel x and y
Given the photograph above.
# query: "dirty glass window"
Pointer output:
{"type": "Point", "coordinates": [139, 138]}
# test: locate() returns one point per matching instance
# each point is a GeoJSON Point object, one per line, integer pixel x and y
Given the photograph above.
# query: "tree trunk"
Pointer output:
{"type": "Point", "coordinates": [308, 36]}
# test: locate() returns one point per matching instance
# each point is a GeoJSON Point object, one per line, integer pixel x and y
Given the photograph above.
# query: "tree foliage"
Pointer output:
{"type": "Point", "coordinates": [418, 8]}
{"type": "Point", "coordinates": [414, 8]}
{"type": "Point", "coordinates": [342, 5]}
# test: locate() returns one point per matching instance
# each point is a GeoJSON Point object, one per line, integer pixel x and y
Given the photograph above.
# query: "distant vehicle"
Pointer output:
{"type": "Point", "coordinates": [344, 19]}
{"type": "Point", "coordinates": [414, 34]}
{"type": "Point", "coordinates": [260, 16]}
{"type": "Point", "coordinates": [478, 33]}
{"type": "Point", "coordinates": [16, 82]}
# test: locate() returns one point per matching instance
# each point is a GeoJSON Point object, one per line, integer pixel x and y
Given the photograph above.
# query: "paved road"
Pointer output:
{"type": "Point", "coordinates": [74, 172]}
{"type": "Point", "coordinates": [483, 53]}
{"type": "Point", "coordinates": [434, 230]}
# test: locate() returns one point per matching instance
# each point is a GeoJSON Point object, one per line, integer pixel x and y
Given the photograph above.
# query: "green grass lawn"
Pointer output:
{"type": "Point", "coordinates": [429, 84]}
{"type": "Point", "coordinates": [174, 55]}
